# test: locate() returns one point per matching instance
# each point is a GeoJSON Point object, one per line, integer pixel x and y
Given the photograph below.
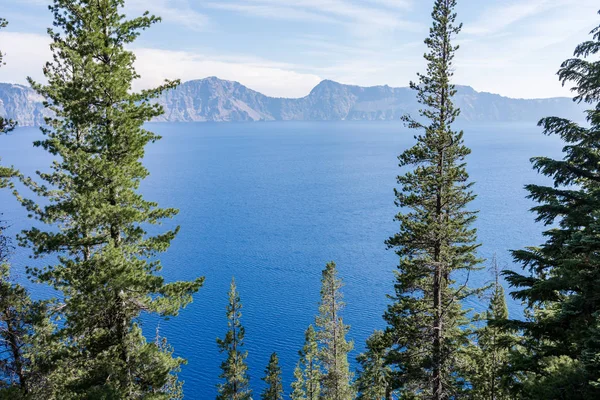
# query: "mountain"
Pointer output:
{"type": "Point", "coordinates": [218, 100]}
{"type": "Point", "coordinates": [21, 104]}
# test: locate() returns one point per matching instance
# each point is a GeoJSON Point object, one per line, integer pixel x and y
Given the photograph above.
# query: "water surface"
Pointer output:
{"type": "Point", "coordinates": [271, 203]}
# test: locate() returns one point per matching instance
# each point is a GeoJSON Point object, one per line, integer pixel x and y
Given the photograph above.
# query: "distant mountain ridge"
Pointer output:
{"type": "Point", "coordinates": [216, 100]}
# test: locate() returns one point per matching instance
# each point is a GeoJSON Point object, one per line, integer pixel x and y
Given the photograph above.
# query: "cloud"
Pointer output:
{"type": "Point", "coordinates": [496, 18]}
{"type": "Point", "coordinates": [518, 57]}
{"type": "Point", "coordinates": [359, 17]}
{"type": "Point", "coordinates": [273, 79]}
{"type": "Point", "coordinates": [272, 12]}
{"type": "Point", "coordinates": [394, 4]}
{"type": "Point", "coordinates": [27, 53]}
{"type": "Point", "coordinates": [171, 12]}
{"type": "Point", "coordinates": [519, 54]}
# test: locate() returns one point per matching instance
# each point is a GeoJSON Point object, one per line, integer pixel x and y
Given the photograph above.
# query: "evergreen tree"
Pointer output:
{"type": "Point", "coordinates": [14, 322]}
{"type": "Point", "coordinates": [331, 336]}
{"type": "Point", "coordinates": [24, 335]}
{"type": "Point", "coordinates": [298, 392]}
{"type": "Point", "coordinates": [308, 373]}
{"type": "Point", "coordinates": [173, 388]}
{"type": "Point", "coordinates": [426, 319]}
{"type": "Point", "coordinates": [374, 379]}
{"type": "Point", "coordinates": [489, 358]}
{"type": "Point", "coordinates": [562, 336]}
{"type": "Point", "coordinates": [235, 370]}
{"type": "Point", "coordinates": [106, 273]}
{"type": "Point", "coordinates": [274, 389]}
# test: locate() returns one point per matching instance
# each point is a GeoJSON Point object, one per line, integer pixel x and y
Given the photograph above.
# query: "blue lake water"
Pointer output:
{"type": "Point", "coordinates": [271, 203]}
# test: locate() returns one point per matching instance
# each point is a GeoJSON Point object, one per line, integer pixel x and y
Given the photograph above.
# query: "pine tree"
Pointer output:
{"type": "Point", "coordinates": [298, 392]}
{"type": "Point", "coordinates": [489, 357]}
{"type": "Point", "coordinates": [106, 273]}
{"type": "Point", "coordinates": [374, 379]}
{"type": "Point", "coordinates": [274, 389]}
{"type": "Point", "coordinates": [14, 323]}
{"type": "Point", "coordinates": [173, 388]}
{"type": "Point", "coordinates": [235, 370]}
{"type": "Point", "coordinates": [24, 335]}
{"type": "Point", "coordinates": [331, 336]}
{"type": "Point", "coordinates": [308, 373]}
{"type": "Point", "coordinates": [436, 240]}
{"type": "Point", "coordinates": [562, 336]}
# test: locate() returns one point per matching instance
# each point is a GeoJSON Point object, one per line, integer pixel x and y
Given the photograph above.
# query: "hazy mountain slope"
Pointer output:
{"type": "Point", "coordinates": [213, 99]}
{"type": "Point", "coordinates": [21, 104]}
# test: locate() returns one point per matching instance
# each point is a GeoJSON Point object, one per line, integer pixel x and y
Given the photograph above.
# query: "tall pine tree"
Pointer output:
{"type": "Point", "coordinates": [560, 287]}
{"type": "Point", "coordinates": [274, 389]}
{"type": "Point", "coordinates": [435, 241]}
{"type": "Point", "coordinates": [106, 273]}
{"type": "Point", "coordinates": [336, 382]}
{"type": "Point", "coordinates": [235, 370]}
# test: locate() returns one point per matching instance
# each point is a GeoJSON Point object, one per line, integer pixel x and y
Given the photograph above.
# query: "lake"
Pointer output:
{"type": "Point", "coordinates": [271, 203]}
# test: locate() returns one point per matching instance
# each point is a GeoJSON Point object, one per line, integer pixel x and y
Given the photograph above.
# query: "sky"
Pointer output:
{"type": "Point", "coordinates": [284, 48]}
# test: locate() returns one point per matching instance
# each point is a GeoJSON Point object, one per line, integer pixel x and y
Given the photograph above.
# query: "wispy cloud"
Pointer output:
{"type": "Point", "coordinates": [271, 78]}
{"type": "Point", "coordinates": [374, 14]}
{"type": "Point", "coordinates": [272, 12]}
{"type": "Point", "coordinates": [394, 4]}
{"type": "Point", "coordinates": [171, 11]}
{"type": "Point", "coordinates": [498, 17]}
{"type": "Point", "coordinates": [27, 53]}
{"type": "Point", "coordinates": [519, 54]}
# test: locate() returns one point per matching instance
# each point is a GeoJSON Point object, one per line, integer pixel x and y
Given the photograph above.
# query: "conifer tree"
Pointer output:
{"type": "Point", "coordinates": [24, 335]}
{"type": "Point", "coordinates": [489, 357]}
{"type": "Point", "coordinates": [106, 273]}
{"type": "Point", "coordinates": [561, 339]}
{"type": "Point", "coordinates": [374, 378]}
{"type": "Point", "coordinates": [435, 240]}
{"type": "Point", "coordinates": [274, 389]}
{"type": "Point", "coordinates": [14, 316]}
{"type": "Point", "coordinates": [298, 392]}
{"type": "Point", "coordinates": [308, 373]}
{"type": "Point", "coordinates": [19, 378]}
{"type": "Point", "coordinates": [235, 370]}
{"type": "Point", "coordinates": [331, 336]}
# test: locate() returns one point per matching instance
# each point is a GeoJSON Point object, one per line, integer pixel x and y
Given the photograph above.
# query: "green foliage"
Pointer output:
{"type": "Point", "coordinates": [488, 360]}
{"type": "Point", "coordinates": [24, 332]}
{"type": "Point", "coordinates": [425, 320]}
{"type": "Point", "coordinates": [298, 392]}
{"type": "Point", "coordinates": [308, 372]}
{"type": "Point", "coordinates": [106, 274]}
{"type": "Point", "coordinates": [235, 370]}
{"type": "Point", "coordinates": [561, 342]}
{"type": "Point", "coordinates": [173, 388]}
{"type": "Point", "coordinates": [274, 389]}
{"type": "Point", "coordinates": [331, 336]}
{"type": "Point", "coordinates": [374, 379]}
